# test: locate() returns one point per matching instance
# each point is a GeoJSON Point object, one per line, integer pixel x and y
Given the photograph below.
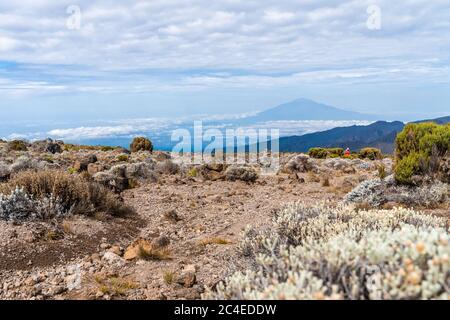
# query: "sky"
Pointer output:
{"type": "Point", "coordinates": [71, 62]}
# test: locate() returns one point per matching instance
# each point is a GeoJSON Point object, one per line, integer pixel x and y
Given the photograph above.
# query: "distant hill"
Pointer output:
{"type": "Point", "coordinates": [304, 109]}
{"type": "Point", "coordinates": [442, 120]}
{"type": "Point", "coordinates": [380, 134]}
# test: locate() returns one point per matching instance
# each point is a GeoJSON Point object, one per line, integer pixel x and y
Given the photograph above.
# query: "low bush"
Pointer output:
{"type": "Point", "coordinates": [69, 194]}
{"type": "Point", "coordinates": [123, 158]}
{"type": "Point", "coordinates": [370, 153]}
{"type": "Point", "coordinates": [323, 153]}
{"type": "Point", "coordinates": [141, 144]}
{"type": "Point", "coordinates": [323, 252]}
{"type": "Point", "coordinates": [420, 149]}
{"type": "Point", "coordinates": [382, 172]}
{"type": "Point", "coordinates": [17, 145]}
{"type": "Point", "coordinates": [77, 147]}
{"type": "Point", "coordinates": [376, 193]}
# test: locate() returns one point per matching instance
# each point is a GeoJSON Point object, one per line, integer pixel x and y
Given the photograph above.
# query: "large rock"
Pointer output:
{"type": "Point", "coordinates": [47, 145]}
{"type": "Point", "coordinates": [187, 277]}
{"type": "Point", "coordinates": [94, 168]}
{"type": "Point", "coordinates": [132, 252]}
{"type": "Point", "coordinates": [242, 173]}
{"type": "Point", "coordinates": [111, 181]}
{"type": "Point", "coordinates": [344, 165]}
{"type": "Point", "coordinates": [212, 172]}
{"type": "Point", "coordinates": [119, 176]}
{"type": "Point", "coordinates": [378, 192]}
{"type": "Point", "coordinates": [167, 167]}
{"type": "Point", "coordinates": [140, 170]}
{"type": "Point", "coordinates": [300, 163]}
{"type": "Point", "coordinates": [83, 165]}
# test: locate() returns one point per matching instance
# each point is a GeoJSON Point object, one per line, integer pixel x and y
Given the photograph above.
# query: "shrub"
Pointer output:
{"type": "Point", "coordinates": [192, 173]}
{"type": "Point", "coordinates": [141, 144]}
{"type": "Point", "coordinates": [325, 181]}
{"type": "Point", "coordinates": [378, 192]}
{"type": "Point", "coordinates": [381, 169]}
{"type": "Point", "coordinates": [19, 205]}
{"type": "Point", "coordinates": [419, 149]}
{"type": "Point", "coordinates": [299, 163]}
{"type": "Point", "coordinates": [122, 158]}
{"type": "Point", "coordinates": [17, 145]}
{"type": "Point", "coordinates": [370, 153]}
{"type": "Point", "coordinates": [72, 193]}
{"type": "Point", "coordinates": [338, 253]}
{"type": "Point", "coordinates": [323, 153]}
{"type": "Point", "coordinates": [77, 147]}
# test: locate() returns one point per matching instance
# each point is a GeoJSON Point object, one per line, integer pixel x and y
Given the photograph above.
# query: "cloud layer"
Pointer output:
{"type": "Point", "coordinates": [170, 45]}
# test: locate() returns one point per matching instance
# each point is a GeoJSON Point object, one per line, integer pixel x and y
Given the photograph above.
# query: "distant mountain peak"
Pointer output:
{"type": "Point", "coordinates": [307, 109]}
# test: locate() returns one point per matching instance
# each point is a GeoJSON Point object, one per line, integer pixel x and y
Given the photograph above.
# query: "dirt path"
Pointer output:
{"type": "Point", "coordinates": [212, 216]}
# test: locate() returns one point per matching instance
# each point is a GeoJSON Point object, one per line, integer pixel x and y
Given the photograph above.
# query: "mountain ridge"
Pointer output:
{"type": "Point", "coordinates": [306, 109]}
{"type": "Point", "coordinates": [380, 134]}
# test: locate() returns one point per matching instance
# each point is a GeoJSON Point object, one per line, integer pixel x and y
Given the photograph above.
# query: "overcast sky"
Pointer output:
{"type": "Point", "coordinates": [177, 57]}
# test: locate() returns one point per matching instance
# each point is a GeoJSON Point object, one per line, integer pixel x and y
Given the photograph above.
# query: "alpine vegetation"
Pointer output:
{"type": "Point", "coordinates": [20, 206]}
{"type": "Point", "coordinates": [48, 194]}
{"type": "Point", "coordinates": [377, 192]}
{"type": "Point", "coordinates": [325, 252]}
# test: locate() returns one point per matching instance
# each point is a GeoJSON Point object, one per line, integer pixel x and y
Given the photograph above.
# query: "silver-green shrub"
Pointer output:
{"type": "Point", "coordinates": [338, 253]}
{"type": "Point", "coordinates": [20, 206]}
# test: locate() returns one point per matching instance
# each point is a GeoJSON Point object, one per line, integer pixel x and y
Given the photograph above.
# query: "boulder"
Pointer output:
{"type": "Point", "coordinates": [111, 181]}
{"type": "Point", "coordinates": [119, 176]}
{"type": "Point", "coordinates": [299, 163]}
{"type": "Point", "coordinates": [92, 158]}
{"type": "Point", "coordinates": [167, 167]}
{"type": "Point", "coordinates": [242, 173]}
{"type": "Point", "coordinates": [344, 165]}
{"type": "Point", "coordinates": [47, 145]}
{"type": "Point", "coordinates": [94, 168]}
{"type": "Point", "coordinates": [187, 277]}
{"type": "Point", "coordinates": [80, 166]}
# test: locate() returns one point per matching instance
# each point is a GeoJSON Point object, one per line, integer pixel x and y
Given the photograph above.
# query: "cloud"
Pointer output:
{"type": "Point", "coordinates": [164, 128]}
{"type": "Point", "coordinates": [7, 44]}
{"type": "Point", "coordinates": [275, 16]}
{"type": "Point", "coordinates": [160, 45]}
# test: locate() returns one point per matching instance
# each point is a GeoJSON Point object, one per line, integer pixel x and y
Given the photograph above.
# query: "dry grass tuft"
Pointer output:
{"type": "Point", "coordinates": [114, 285]}
{"type": "Point", "coordinates": [75, 194]}
{"type": "Point", "coordinates": [152, 253]}
{"type": "Point", "coordinates": [169, 277]}
{"type": "Point", "coordinates": [214, 240]}
{"type": "Point", "coordinates": [326, 182]}
{"type": "Point", "coordinates": [312, 177]}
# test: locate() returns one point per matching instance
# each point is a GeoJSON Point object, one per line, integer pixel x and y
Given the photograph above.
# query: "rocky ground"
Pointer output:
{"type": "Point", "coordinates": [181, 238]}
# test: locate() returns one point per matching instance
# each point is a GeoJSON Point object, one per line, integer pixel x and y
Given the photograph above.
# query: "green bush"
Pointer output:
{"type": "Point", "coordinates": [323, 153]}
{"type": "Point", "coordinates": [17, 145]}
{"type": "Point", "coordinates": [370, 153]}
{"type": "Point", "coordinates": [78, 147]}
{"type": "Point", "coordinates": [122, 158]}
{"type": "Point", "coordinates": [141, 144]}
{"type": "Point", "coordinates": [419, 150]}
